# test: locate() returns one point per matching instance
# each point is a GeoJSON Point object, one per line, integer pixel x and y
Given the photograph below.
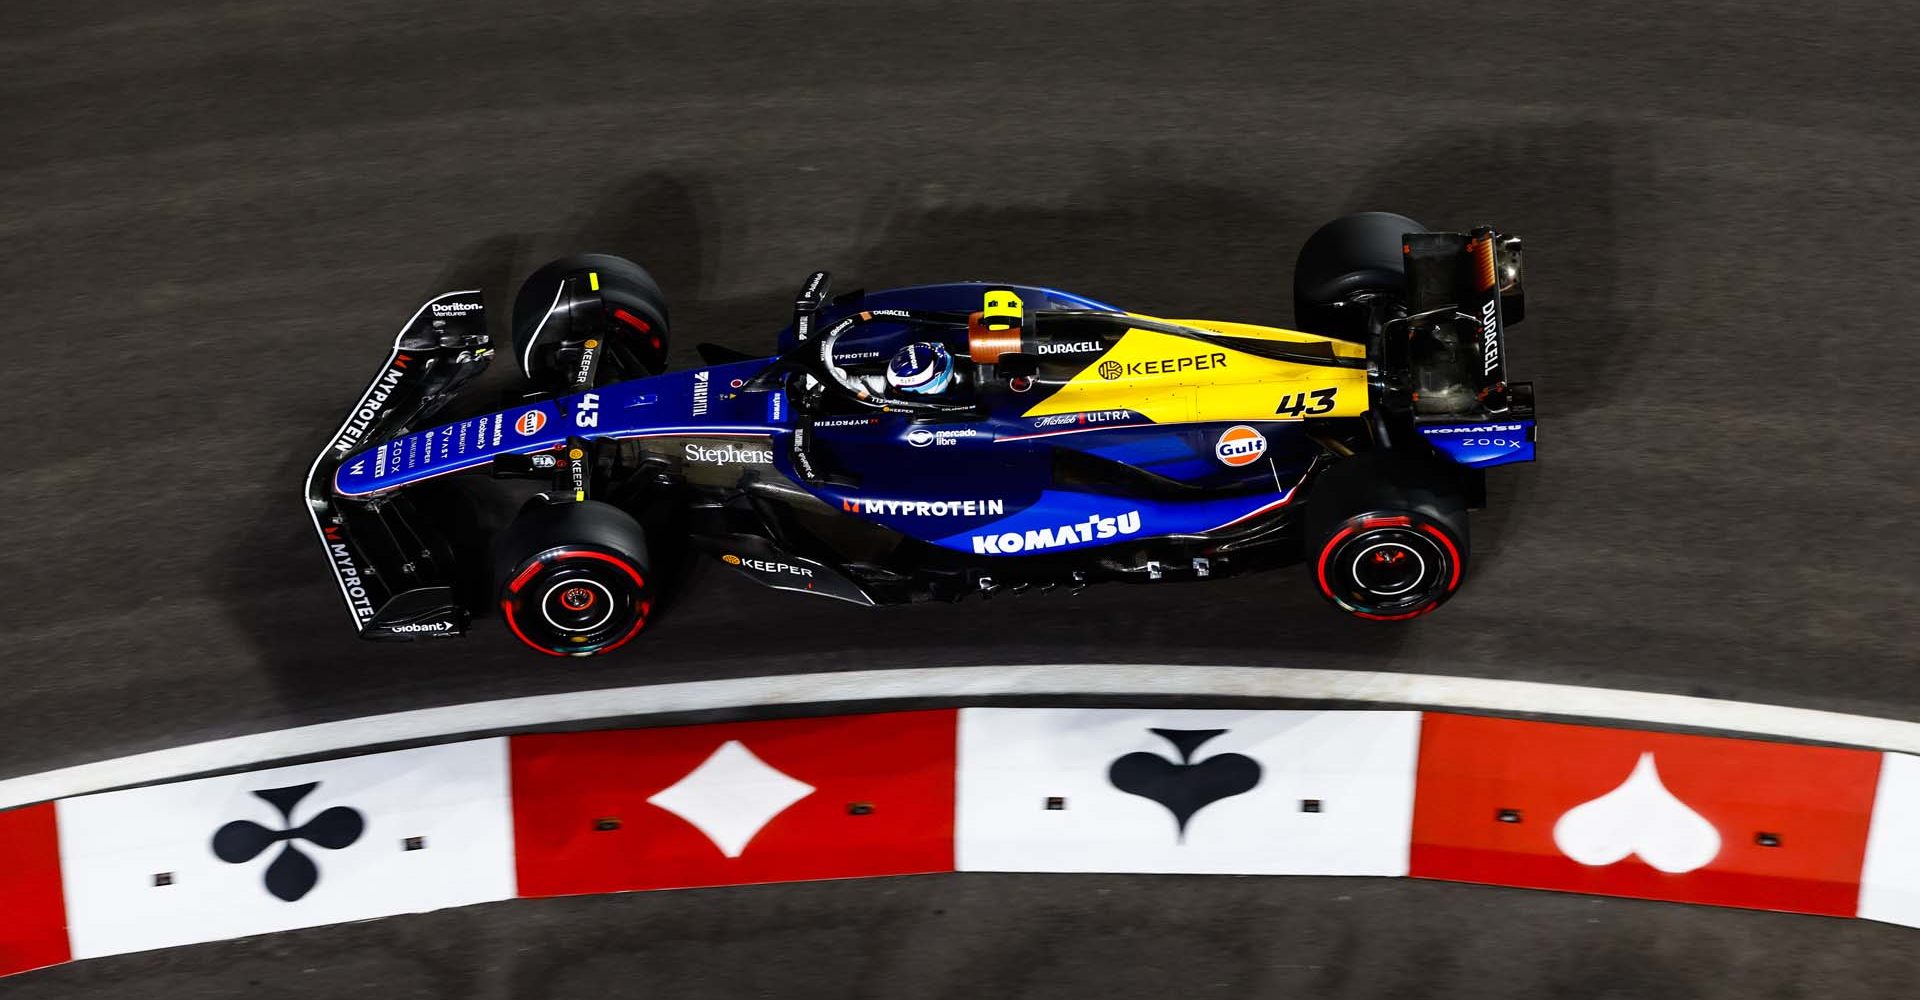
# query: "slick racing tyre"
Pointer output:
{"type": "Point", "coordinates": [1389, 565]}
{"type": "Point", "coordinates": [609, 299]}
{"type": "Point", "coordinates": [574, 579]}
{"type": "Point", "coordinates": [1346, 257]}
{"type": "Point", "coordinates": [1387, 537]}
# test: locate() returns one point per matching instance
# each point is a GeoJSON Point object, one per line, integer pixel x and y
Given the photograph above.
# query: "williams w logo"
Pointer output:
{"type": "Point", "coordinates": [292, 874]}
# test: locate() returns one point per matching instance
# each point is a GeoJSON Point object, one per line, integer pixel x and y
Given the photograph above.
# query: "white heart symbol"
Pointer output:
{"type": "Point", "coordinates": [1639, 817]}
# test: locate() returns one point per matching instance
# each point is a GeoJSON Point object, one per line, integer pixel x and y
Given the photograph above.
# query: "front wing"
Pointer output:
{"type": "Point", "coordinates": [393, 573]}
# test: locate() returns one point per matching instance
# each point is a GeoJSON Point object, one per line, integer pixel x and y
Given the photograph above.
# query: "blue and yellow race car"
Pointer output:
{"type": "Point", "coordinates": [930, 443]}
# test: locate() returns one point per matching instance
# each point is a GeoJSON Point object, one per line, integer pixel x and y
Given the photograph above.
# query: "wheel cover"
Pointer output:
{"type": "Point", "coordinates": [573, 601]}
{"type": "Point", "coordinates": [1388, 567]}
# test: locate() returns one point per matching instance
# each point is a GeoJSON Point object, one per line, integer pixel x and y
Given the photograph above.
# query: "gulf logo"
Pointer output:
{"type": "Point", "coordinates": [530, 423]}
{"type": "Point", "coordinates": [1240, 445]}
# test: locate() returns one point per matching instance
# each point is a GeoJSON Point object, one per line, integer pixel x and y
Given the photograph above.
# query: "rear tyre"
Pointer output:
{"type": "Point", "coordinates": [1351, 255]}
{"type": "Point", "coordinates": [573, 578]}
{"type": "Point", "coordinates": [553, 318]}
{"type": "Point", "coordinates": [1387, 536]}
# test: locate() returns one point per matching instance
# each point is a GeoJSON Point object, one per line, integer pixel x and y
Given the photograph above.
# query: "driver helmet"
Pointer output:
{"type": "Point", "coordinates": [923, 367]}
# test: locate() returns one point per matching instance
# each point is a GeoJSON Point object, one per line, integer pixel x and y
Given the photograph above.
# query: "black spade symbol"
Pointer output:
{"type": "Point", "coordinates": [292, 874]}
{"type": "Point", "coordinates": [1184, 787]}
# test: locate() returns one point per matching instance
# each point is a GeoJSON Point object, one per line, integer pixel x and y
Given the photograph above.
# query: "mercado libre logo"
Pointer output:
{"type": "Point", "coordinates": [1240, 445]}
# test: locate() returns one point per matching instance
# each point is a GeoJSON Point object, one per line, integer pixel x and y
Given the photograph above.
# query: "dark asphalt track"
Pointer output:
{"type": "Point", "coordinates": [215, 215]}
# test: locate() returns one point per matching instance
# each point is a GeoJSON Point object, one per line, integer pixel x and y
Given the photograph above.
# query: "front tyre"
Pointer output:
{"type": "Point", "coordinates": [591, 301]}
{"type": "Point", "coordinates": [1390, 565]}
{"type": "Point", "coordinates": [574, 578]}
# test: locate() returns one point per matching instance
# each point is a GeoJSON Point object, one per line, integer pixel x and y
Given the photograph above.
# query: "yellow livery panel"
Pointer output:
{"type": "Point", "coordinates": [1272, 334]}
{"type": "Point", "coordinates": [1174, 379]}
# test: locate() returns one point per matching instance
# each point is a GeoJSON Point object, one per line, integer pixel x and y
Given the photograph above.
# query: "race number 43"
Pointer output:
{"type": "Point", "coordinates": [1296, 404]}
{"type": "Point", "coordinates": [588, 414]}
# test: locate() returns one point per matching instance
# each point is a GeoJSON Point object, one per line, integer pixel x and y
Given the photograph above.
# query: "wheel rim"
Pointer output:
{"type": "Point", "coordinates": [1389, 567]}
{"type": "Point", "coordinates": [576, 602]}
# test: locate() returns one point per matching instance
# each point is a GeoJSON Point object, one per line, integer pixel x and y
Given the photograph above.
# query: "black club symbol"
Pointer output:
{"type": "Point", "coordinates": [292, 874]}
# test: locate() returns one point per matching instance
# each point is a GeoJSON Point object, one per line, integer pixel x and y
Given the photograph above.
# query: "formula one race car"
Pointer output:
{"type": "Point", "coordinates": [932, 442]}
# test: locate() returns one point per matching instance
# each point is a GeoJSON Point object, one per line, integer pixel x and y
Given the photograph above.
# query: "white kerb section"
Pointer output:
{"type": "Point", "coordinates": [373, 836]}
{"type": "Point", "coordinates": [1201, 791]}
{"type": "Point", "coordinates": [1890, 881]}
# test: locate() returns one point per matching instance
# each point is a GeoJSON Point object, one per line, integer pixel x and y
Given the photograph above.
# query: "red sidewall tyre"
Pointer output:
{"type": "Point", "coordinates": [573, 578]}
{"type": "Point", "coordinates": [577, 601]}
{"type": "Point", "coordinates": [1390, 565]}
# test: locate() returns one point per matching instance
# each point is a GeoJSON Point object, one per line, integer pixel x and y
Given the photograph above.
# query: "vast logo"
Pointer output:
{"type": "Point", "coordinates": [530, 423]}
{"type": "Point", "coordinates": [1111, 370]}
{"type": "Point", "coordinates": [1092, 529]}
{"type": "Point", "coordinates": [1240, 445]}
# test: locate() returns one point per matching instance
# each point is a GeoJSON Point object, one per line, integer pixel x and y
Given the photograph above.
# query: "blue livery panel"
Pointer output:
{"type": "Point", "coordinates": [1062, 521]}
{"type": "Point", "coordinates": [703, 401]}
{"type": "Point", "coordinates": [1483, 445]}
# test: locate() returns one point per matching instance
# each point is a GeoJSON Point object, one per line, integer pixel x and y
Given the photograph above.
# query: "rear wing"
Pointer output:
{"type": "Point", "coordinates": [1477, 275]}
{"type": "Point", "coordinates": [1464, 292]}
{"type": "Point", "coordinates": [393, 574]}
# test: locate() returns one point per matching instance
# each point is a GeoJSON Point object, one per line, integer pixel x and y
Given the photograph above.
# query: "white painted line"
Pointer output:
{"type": "Point", "coordinates": [960, 684]}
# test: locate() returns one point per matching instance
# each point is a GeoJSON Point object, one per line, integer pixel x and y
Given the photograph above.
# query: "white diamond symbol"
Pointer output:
{"type": "Point", "coordinates": [731, 796]}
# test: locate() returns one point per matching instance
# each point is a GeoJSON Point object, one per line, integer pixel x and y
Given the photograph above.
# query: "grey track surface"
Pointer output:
{"type": "Point", "coordinates": [215, 215]}
{"type": "Point", "coordinates": [959, 937]}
